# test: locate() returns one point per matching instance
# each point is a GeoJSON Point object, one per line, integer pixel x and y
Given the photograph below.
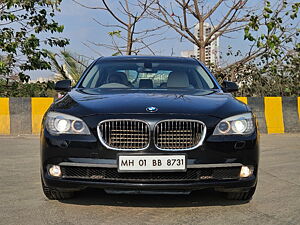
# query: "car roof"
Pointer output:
{"type": "Point", "coordinates": [139, 57]}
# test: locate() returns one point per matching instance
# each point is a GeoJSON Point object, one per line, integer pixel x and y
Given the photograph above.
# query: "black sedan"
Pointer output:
{"type": "Point", "coordinates": [137, 124]}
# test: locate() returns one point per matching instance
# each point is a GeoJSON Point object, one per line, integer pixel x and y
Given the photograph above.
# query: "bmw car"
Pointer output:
{"type": "Point", "coordinates": [148, 124]}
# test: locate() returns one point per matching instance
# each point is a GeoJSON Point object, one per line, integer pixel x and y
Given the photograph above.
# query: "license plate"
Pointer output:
{"type": "Point", "coordinates": [144, 163]}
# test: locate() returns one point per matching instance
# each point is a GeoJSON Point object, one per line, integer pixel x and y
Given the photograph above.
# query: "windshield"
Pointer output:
{"type": "Point", "coordinates": [146, 74]}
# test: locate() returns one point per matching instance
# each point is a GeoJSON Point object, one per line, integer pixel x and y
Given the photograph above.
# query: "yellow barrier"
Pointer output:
{"type": "Point", "coordinates": [4, 116]}
{"type": "Point", "coordinates": [274, 115]}
{"type": "Point", "coordinates": [38, 108]}
{"type": "Point", "coordinates": [299, 107]}
{"type": "Point", "coordinates": [242, 99]}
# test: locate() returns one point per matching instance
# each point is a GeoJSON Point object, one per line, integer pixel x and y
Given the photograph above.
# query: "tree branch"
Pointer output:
{"type": "Point", "coordinates": [113, 14]}
{"type": "Point", "coordinates": [88, 7]}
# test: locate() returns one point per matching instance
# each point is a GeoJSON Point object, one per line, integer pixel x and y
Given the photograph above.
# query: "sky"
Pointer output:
{"type": "Point", "coordinates": [80, 28]}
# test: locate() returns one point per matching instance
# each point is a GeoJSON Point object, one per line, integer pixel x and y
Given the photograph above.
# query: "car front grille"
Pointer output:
{"type": "Point", "coordinates": [124, 134]}
{"type": "Point", "coordinates": [179, 134]}
{"type": "Point", "coordinates": [130, 134]}
{"type": "Point", "coordinates": [112, 174]}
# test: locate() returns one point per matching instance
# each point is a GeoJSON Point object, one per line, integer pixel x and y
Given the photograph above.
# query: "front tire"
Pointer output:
{"type": "Point", "coordinates": [245, 196]}
{"type": "Point", "coordinates": [54, 194]}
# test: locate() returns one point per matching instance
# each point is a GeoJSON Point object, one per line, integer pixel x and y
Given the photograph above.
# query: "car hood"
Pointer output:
{"type": "Point", "coordinates": [83, 103]}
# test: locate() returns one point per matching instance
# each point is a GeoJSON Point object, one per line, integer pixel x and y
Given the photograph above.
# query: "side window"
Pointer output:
{"type": "Point", "coordinates": [205, 77]}
{"type": "Point", "coordinates": [91, 77]}
{"type": "Point", "coordinates": [95, 80]}
{"type": "Point", "coordinates": [195, 79]}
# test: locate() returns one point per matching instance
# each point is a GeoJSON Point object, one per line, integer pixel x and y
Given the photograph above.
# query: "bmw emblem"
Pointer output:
{"type": "Point", "coordinates": [151, 109]}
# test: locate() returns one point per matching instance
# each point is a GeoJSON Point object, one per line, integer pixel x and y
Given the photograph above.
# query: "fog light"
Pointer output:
{"type": "Point", "coordinates": [55, 171]}
{"type": "Point", "coordinates": [246, 171]}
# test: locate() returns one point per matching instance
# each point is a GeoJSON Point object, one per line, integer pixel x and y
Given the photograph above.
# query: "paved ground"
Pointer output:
{"type": "Point", "coordinates": [277, 200]}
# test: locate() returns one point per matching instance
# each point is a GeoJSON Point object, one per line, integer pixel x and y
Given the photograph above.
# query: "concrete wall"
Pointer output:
{"type": "Point", "coordinates": [274, 114]}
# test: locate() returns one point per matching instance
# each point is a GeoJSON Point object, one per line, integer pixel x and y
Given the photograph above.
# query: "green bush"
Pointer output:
{"type": "Point", "coordinates": [19, 89]}
{"type": "Point", "coordinates": [261, 78]}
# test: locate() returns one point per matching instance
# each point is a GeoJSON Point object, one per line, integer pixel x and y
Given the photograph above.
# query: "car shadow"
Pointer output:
{"type": "Point", "coordinates": [195, 199]}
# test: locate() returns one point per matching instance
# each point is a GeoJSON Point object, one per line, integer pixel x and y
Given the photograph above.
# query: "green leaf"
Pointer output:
{"type": "Point", "coordinates": [266, 15]}
{"type": "Point", "coordinates": [268, 10]}
{"type": "Point", "coordinates": [246, 29]}
{"type": "Point", "coordinates": [22, 40]}
{"type": "Point", "coordinates": [115, 33]}
{"type": "Point", "coordinates": [270, 26]}
{"type": "Point", "coordinates": [259, 44]}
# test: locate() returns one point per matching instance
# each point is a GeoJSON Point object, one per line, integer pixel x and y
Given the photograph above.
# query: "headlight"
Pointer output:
{"type": "Point", "coordinates": [59, 123]}
{"type": "Point", "coordinates": [240, 124]}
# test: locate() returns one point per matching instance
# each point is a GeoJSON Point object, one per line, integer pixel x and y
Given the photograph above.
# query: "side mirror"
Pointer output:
{"type": "Point", "coordinates": [229, 86]}
{"type": "Point", "coordinates": [63, 85]}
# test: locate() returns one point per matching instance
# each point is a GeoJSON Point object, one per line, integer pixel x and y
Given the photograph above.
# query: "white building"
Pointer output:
{"type": "Point", "coordinates": [41, 79]}
{"type": "Point", "coordinates": [212, 51]}
{"type": "Point", "coordinates": [188, 53]}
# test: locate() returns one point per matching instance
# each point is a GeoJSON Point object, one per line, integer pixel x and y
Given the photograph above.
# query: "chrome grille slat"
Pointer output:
{"type": "Point", "coordinates": [131, 134]}
{"type": "Point", "coordinates": [124, 134]}
{"type": "Point", "coordinates": [179, 134]}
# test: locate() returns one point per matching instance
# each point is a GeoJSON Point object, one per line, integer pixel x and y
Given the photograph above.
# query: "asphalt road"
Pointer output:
{"type": "Point", "coordinates": [277, 200]}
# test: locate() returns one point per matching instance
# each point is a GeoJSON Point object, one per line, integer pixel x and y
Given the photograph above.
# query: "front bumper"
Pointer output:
{"type": "Point", "coordinates": [149, 181]}
{"type": "Point", "coordinates": [87, 150]}
{"type": "Point", "coordinates": [243, 184]}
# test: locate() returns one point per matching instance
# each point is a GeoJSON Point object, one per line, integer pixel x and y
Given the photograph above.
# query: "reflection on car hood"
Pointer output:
{"type": "Point", "coordinates": [94, 101]}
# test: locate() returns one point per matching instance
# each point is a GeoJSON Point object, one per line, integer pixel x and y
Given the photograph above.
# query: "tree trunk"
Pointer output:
{"type": "Point", "coordinates": [130, 32]}
{"type": "Point", "coordinates": [201, 40]}
{"type": "Point", "coordinates": [129, 42]}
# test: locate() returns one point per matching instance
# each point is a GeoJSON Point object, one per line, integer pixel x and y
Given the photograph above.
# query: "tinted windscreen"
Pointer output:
{"type": "Point", "coordinates": [147, 74]}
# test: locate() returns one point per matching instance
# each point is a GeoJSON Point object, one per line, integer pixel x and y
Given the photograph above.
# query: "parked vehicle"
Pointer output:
{"type": "Point", "coordinates": [148, 125]}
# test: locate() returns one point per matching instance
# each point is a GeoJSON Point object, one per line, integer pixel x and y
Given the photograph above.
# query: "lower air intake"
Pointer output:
{"type": "Point", "coordinates": [191, 174]}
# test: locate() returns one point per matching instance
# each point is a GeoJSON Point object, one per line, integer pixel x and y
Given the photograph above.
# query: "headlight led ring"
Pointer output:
{"type": "Point", "coordinates": [239, 126]}
{"type": "Point", "coordinates": [224, 127]}
{"type": "Point", "coordinates": [77, 126]}
{"type": "Point", "coordinates": [61, 125]}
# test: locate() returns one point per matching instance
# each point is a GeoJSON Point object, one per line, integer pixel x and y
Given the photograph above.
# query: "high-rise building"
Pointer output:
{"type": "Point", "coordinates": [188, 53]}
{"type": "Point", "coordinates": [212, 51]}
